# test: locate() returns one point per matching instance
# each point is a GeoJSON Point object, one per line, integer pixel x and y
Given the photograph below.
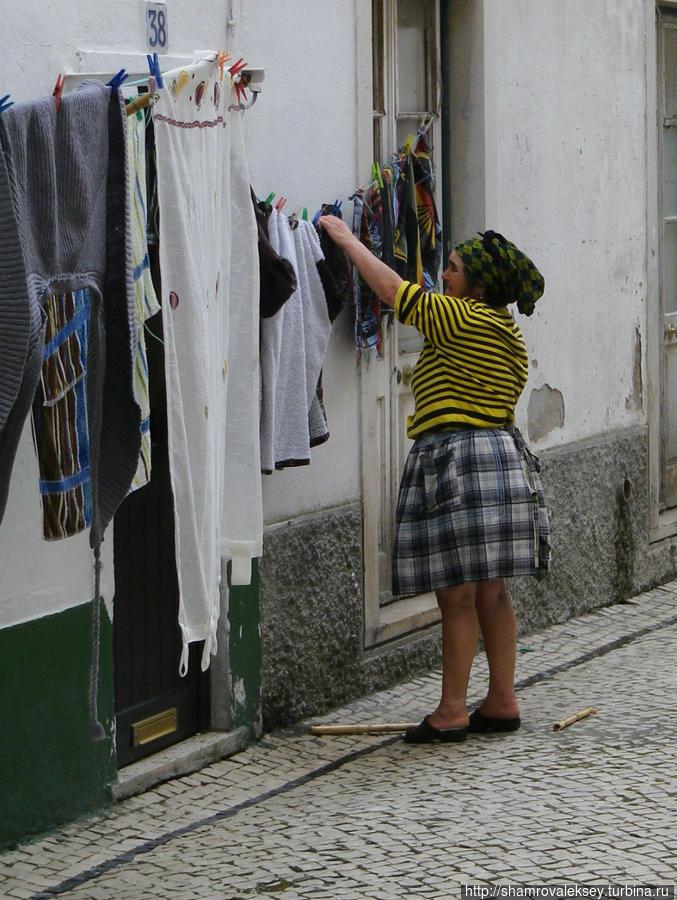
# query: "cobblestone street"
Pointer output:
{"type": "Point", "coordinates": [369, 816]}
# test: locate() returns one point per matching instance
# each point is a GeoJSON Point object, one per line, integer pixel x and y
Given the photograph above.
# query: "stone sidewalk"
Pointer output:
{"type": "Point", "coordinates": [371, 817]}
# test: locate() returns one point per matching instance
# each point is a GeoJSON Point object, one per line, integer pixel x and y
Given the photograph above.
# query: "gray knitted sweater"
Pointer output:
{"type": "Point", "coordinates": [64, 226]}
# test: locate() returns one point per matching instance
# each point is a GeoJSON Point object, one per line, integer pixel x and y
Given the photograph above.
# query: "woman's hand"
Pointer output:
{"type": "Point", "coordinates": [337, 230]}
{"type": "Point", "coordinates": [382, 280]}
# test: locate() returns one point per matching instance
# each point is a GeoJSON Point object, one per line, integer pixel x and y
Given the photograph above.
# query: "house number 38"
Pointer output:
{"type": "Point", "coordinates": [157, 36]}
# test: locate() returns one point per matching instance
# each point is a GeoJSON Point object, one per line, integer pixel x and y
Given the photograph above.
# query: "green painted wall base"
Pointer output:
{"type": "Point", "coordinates": [50, 769]}
{"type": "Point", "coordinates": [245, 655]}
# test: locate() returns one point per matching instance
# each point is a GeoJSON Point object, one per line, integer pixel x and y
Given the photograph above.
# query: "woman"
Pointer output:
{"type": "Point", "coordinates": [470, 509]}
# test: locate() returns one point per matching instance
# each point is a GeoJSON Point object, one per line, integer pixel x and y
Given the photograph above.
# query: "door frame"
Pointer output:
{"type": "Point", "coordinates": [402, 617]}
{"type": "Point", "coordinates": [661, 524]}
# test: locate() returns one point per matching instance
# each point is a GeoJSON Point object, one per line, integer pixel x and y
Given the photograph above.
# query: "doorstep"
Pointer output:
{"type": "Point", "coordinates": [181, 759]}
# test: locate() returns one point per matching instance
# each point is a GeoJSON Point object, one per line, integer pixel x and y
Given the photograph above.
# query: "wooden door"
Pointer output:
{"type": "Point", "coordinates": [155, 707]}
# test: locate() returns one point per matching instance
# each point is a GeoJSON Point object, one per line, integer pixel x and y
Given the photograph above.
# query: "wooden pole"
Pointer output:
{"type": "Point", "coordinates": [576, 717]}
{"type": "Point", "coordinates": [369, 728]}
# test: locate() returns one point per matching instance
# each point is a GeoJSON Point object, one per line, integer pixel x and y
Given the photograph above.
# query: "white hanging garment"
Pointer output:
{"type": "Point", "coordinates": [242, 533]}
{"type": "Point", "coordinates": [144, 292]}
{"type": "Point", "coordinates": [316, 322]}
{"type": "Point", "coordinates": [192, 136]}
{"type": "Point", "coordinates": [293, 346]}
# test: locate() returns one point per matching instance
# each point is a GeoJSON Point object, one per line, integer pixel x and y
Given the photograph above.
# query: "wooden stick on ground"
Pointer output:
{"type": "Point", "coordinates": [369, 728]}
{"type": "Point", "coordinates": [576, 717]}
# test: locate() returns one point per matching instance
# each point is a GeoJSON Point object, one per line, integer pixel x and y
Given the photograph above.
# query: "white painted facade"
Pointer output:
{"type": "Point", "coordinates": [566, 118]}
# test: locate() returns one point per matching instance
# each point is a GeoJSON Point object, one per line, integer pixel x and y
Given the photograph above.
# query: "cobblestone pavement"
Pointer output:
{"type": "Point", "coordinates": [371, 817]}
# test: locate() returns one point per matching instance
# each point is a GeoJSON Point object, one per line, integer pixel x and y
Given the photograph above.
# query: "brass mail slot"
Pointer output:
{"type": "Point", "coordinates": [154, 727]}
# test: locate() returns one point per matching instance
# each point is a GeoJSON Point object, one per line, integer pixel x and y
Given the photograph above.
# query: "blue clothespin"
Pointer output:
{"type": "Point", "coordinates": [336, 208]}
{"type": "Point", "coordinates": [154, 68]}
{"type": "Point", "coordinates": [117, 80]}
{"type": "Point", "coordinates": [4, 104]}
{"type": "Point", "coordinates": [317, 216]}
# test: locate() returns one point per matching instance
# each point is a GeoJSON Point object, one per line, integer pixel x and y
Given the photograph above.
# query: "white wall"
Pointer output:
{"type": "Point", "coordinates": [301, 143]}
{"type": "Point", "coordinates": [566, 180]}
{"type": "Point", "coordinates": [301, 137]}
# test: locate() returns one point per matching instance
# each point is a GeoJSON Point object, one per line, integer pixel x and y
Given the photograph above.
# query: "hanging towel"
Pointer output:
{"type": "Point", "coordinates": [242, 512]}
{"type": "Point", "coordinates": [210, 340]}
{"type": "Point", "coordinates": [60, 430]}
{"type": "Point", "coordinates": [316, 323]}
{"type": "Point", "coordinates": [146, 304]}
{"type": "Point", "coordinates": [293, 346]}
{"type": "Point", "coordinates": [65, 177]}
{"type": "Point", "coordinates": [277, 278]}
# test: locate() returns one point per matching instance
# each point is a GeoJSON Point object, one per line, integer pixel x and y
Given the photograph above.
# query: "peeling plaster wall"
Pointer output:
{"type": "Point", "coordinates": [565, 147]}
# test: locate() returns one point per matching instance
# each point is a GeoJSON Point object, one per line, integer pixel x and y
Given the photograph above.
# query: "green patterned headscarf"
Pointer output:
{"type": "Point", "coordinates": [508, 275]}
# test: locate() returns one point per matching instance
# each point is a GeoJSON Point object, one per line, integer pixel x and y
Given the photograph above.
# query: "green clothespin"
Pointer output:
{"type": "Point", "coordinates": [269, 199]}
{"type": "Point", "coordinates": [378, 175]}
{"type": "Point", "coordinates": [305, 214]}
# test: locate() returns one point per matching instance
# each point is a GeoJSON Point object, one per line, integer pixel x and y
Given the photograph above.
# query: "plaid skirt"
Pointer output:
{"type": "Point", "coordinates": [470, 508]}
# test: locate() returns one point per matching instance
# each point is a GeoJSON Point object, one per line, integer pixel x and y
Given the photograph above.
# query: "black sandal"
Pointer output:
{"type": "Point", "coordinates": [481, 724]}
{"type": "Point", "coordinates": [425, 733]}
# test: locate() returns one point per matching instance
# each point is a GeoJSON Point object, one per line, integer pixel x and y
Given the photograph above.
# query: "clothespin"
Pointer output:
{"type": "Point", "coordinates": [237, 67]}
{"type": "Point", "coordinates": [240, 92]}
{"type": "Point", "coordinates": [154, 68]}
{"type": "Point", "coordinates": [379, 177]}
{"type": "Point", "coordinates": [116, 81]}
{"type": "Point", "coordinates": [305, 214]}
{"type": "Point", "coordinates": [269, 199]}
{"type": "Point", "coordinates": [336, 208]}
{"type": "Point", "coordinates": [280, 203]}
{"type": "Point", "coordinates": [222, 58]}
{"type": "Point", "coordinates": [58, 89]}
{"type": "Point", "coordinates": [317, 216]}
{"type": "Point", "coordinates": [4, 104]}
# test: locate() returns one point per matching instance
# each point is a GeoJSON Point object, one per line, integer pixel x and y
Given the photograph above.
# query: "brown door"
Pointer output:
{"type": "Point", "coordinates": [154, 706]}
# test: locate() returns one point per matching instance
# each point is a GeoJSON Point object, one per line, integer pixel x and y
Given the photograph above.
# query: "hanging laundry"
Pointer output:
{"type": "Point", "coordinates": [63, 209]}
{"type": "Point", "coordinates": [293, 346]}
{"type": "Point", "coordinates": [146, 304]}
{"type": "Point", "coordinates": [369, 310]}
{"type": "Point", "coordinates": [207, 362]}
{"type": "Point", "coordinates": [242, 511]}
{"type": "Point", "coordinates": [396, 218]}
{"type": "Point", "coordinates": [334, 269]}
{"type": "Point", "coordinates": [418, 234]}
{"type": "Point", "coordinates": [276, 275]}
{"type": "Point", "coordinates": [60, 430]}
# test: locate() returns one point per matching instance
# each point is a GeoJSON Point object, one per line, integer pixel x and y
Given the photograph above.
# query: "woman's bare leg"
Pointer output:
{"type": "Point", "coordinates": [460, 631]}
{"type": "Point", "coordinates": [499, 630]}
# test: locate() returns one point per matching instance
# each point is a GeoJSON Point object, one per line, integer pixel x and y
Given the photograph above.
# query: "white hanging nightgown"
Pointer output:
{"type": "Point", "coordinates": [199, 302]}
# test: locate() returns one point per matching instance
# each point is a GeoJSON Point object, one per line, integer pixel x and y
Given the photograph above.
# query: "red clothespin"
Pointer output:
{"type": "Point", "coordinates": [58, 89]}
{"type": "Point", "coordinates": [240, 92]}
{"type": "Point", "coordinates": [280, 203]}
{"type": "Point", "coordinates": [237, 67]}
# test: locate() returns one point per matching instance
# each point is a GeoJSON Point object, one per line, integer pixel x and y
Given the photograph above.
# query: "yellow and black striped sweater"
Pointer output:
{"type": "Point", "coordinates": [473, 365]}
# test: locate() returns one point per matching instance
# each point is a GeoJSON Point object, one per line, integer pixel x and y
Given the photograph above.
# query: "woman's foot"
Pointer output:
{"type": "Point", "coordinates": [446, 718]}
{"type": "Point", "coordinates": [426, 733]}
